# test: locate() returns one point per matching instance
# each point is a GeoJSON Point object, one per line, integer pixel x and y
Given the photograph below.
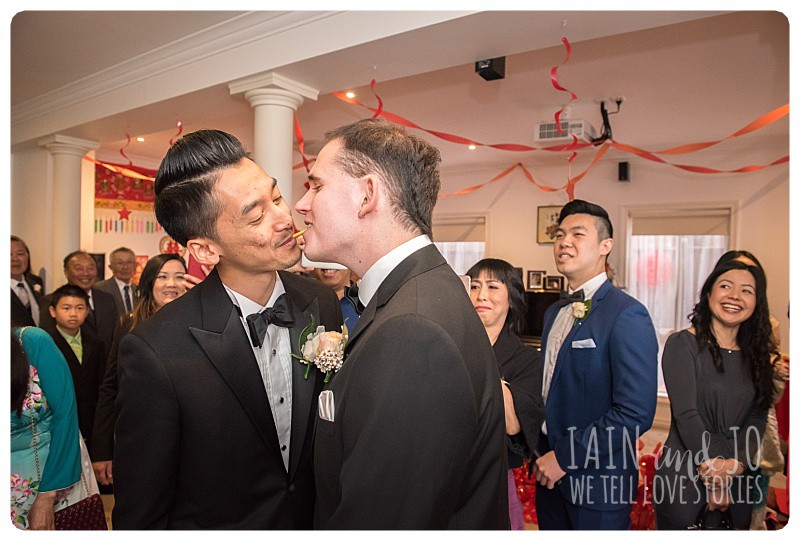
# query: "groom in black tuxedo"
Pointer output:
{"type": "Point", "coordinates": [410, 432]}
{"type": "Point", "coordinates": [215, 417]}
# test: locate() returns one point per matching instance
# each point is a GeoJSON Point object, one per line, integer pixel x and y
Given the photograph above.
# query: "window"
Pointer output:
{"type": "Point", "coordinates": [669, 253]}
{"type": "Point", "coordinates": [461, 239]}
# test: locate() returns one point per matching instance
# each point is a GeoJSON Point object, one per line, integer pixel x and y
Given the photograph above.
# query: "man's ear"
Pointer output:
{"type": "Point", "coordinates": [205, 251]}
{"type": "Point", "coordinates": [52, 312]}
{"type": "Point", "coordinates": [369, 195]}
{"type": "Point", "coordinates": [606, 245]}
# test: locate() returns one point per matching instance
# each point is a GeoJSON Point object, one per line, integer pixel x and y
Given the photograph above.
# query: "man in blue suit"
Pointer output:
{"type": "Point", "coordinates": [599, 385]}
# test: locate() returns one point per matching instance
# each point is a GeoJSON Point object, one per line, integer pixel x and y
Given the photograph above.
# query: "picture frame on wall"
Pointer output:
{"type": "Point", "coordinates": [547, 223]}
{"type": "Point", "coordinates": [554, 283]}
{"type": "Point", "coordinates": [535, 280]}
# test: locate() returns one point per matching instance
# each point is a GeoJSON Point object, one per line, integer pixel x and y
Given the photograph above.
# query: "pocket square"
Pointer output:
{"type": "Point", "coordinates": [326, 407]}
{"type": "Point", "coordinates": [583, 344]}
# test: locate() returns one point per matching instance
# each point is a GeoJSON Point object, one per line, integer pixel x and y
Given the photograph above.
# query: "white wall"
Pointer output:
{"type": "Point", "coordinates": [763, 200]}
{"type": "Point", "coordinates": [32, 203]}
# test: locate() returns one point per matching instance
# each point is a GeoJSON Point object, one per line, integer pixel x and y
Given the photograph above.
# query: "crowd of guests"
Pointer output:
{"type": "Point", "coordinates": [437, 400]}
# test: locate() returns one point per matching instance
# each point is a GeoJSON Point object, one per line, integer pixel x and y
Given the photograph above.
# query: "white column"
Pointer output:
{"type": "Point", "coordinates": [67, 155]}
{"type": "Point", "coordinates": [274, 99]}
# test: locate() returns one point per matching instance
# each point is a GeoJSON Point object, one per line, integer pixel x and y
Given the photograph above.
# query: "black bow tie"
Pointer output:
{"type": "Point", "coordinates": [280, 314]}
{"type": "Point", "coordinates": [352, 294]}
{"type": "Point", "coordinates": [565, 298]}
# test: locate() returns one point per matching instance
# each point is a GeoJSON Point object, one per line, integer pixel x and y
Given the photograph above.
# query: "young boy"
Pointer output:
{"type": "Point", "coordinates": [83, 351]}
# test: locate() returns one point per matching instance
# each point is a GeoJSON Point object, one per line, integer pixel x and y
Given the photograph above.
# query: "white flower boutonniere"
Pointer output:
{"type": "Point", "coordinates": [323, 349]}
{"type": "Point", "coordinates": [37, 288]}
{"type": "Point", "coordinates": [581, 309]}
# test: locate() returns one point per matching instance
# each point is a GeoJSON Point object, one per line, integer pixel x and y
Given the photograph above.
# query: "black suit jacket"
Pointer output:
{"type": "Point", "coordinates": [105, 318]}
{"type": "Point", "coordinates": [21, 316]}
{"type": "Point", "coordinates": [195, 442]}
{"type": "Point", "coordinates": [109, 286]}
{"type": "Point", "coordinates": [418, 437]}
{"type": "Point", "coordinates": [86, 377]}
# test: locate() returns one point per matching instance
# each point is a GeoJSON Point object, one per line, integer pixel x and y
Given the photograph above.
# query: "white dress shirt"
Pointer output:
{"type": "Point", "coordinates": [275, 364]}
{"type": "Point", "coordinates": [560, 329]}
{"type": "Point", "coordinates": [378, 272]}
{"type": "Point", "coordinates": [121, 286]}
{"type": "Point", "coordinates": [22, 293]}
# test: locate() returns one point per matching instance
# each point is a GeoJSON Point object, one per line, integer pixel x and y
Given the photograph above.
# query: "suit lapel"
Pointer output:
{"type": "Point", "coordinates": [66, 350]}
{"type": "Point", "coordinates": [224, 341]}
{"type": "Point", "coordinates": [420, 261]}
{"type": "Point", "coordinates": [302, 389]}
{"type": "Point", "coordinates": [566, 345]}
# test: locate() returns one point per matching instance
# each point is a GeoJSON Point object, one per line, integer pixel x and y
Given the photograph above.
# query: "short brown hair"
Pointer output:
{"type": "Point", "coordinates": [409, 165]}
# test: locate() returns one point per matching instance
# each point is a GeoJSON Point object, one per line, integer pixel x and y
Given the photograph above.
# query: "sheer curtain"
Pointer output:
{"type": "Point", "coordinates": [666, 272]}
{"type": "Point", "coordinates": [462, 255]}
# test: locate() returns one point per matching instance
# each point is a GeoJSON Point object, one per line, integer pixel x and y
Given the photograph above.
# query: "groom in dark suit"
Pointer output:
{"type": "Point", "coordinates": [599, 385]}
{"type": "Point", "coordinates": [410, 432]}
{"type": "Point", "coordinates": [215, 418]}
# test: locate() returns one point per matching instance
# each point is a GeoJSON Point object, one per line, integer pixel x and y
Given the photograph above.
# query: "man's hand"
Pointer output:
{"type": "Point", "coordinates": [547, 470]}
{"type": "Point", "coordinates": [103, 471]}
{"type": "Point", "coordinates": [41, 515]}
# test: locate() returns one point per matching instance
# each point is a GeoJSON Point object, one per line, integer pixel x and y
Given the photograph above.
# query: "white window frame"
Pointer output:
{"type": "Point", "coordinates": [628, 213]}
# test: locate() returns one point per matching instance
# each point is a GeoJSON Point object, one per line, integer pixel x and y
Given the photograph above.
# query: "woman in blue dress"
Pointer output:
{"type": "Point", "coordinates": [45, 453]}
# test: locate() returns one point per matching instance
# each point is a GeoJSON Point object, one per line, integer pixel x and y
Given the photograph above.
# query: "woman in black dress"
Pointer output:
{"type": "Point", "coordinates": [718, 375]}
{"type": "Point", "coordinates": [498, 296]}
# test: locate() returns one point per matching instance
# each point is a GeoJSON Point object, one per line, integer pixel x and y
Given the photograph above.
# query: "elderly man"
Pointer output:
{"type": "Point", "coordinates": [80, 270]}
{"type": "Point", "coordinates": [410, 432]}
{"type": "Point", "coordinates": [122, 263]}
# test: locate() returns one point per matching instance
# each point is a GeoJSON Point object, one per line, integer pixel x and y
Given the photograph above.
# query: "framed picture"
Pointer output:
{"type": "Point", "coordinates": [554, 283]}
{"type": "Point", "coordinates": [546, 224]}
{"type": "Point", "coordinates": [535, 280]}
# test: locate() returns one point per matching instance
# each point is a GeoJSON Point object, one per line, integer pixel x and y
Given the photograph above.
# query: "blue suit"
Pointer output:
{"type": "Point", "coordinates": [601, 399]}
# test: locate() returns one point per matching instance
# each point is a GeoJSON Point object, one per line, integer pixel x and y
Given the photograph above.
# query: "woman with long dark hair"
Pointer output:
{"type": "Point", "coordinates": [772, 460]}
{"type": "Point", "coordinates": [718, 375]}
{"type": "Point", "coordinates": [163, 280]}
{"type": "Point", "coordinates": [498, 296]}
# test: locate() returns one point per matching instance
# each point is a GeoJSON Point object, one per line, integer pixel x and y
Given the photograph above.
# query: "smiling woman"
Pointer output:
{"type": "Point", "coordinates": [719, 379]}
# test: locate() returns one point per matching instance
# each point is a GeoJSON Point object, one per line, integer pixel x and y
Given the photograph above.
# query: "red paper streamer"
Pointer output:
{"type": "Point", "coordinates": [122, 149]}
{"type": "Point", "coordinates": [380, 101]}
{"type": "Point", "coordinates": [557, 85]}
{"type": "Point", "coordinates": [301, 143]}
{"type": "Point", "coordinates": [757, 124]}
{"type": "Point", "coordinates": [180, 131]}
{"type": "Point", "coordinates": [693, 168]}
{"type": "Point", "coordinates": [397, 119]}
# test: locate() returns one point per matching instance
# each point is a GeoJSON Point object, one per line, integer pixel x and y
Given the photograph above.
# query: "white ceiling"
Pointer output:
{"type": "Point", "coordinates": [685, 76]}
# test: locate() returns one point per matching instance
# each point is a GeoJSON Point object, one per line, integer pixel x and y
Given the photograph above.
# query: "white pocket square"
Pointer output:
{"type": "Point", "coordinates": [326, 408]}
{"type": "Point", "coordinates": [584, 344]}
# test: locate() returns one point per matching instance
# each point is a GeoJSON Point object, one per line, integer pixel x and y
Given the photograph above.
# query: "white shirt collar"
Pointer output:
{"type": "Point", "coordinates": [248, 306]}
{"type": "Point", "coordinates": [15, 282]}
{"type": "Point", "coordinates": [120, 284]}
{"type": "Point", "coordinates": [591, 286]}
{"type": "Point", "coordinates": [378, 272]}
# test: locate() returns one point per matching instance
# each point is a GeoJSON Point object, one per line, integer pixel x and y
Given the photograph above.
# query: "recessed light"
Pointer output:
{"type": "Point", "coordinates": [140, 139]}
{"type": "Point", "coordinates": [350, 94]}
{"type": "Point", "coordinates": [472, 147]}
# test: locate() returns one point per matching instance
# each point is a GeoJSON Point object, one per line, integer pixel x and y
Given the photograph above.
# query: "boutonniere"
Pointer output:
{"type": "Point", "coordinates": [321, 348]}
{"type": "Point", "coordinates": [581, 309]}
{"type": "Point", "coordinates": [37, 288]}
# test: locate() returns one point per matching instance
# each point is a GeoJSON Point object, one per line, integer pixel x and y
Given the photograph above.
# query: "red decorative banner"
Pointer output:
{"type": "Point", "coordinates": [123, 189]}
